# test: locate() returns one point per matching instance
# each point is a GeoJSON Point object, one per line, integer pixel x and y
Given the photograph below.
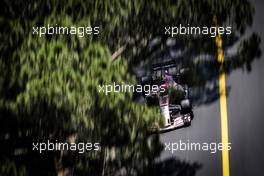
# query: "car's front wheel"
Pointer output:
{"type": "Point", "coordinates": [187, 120]}
{"type": "Point", "coordinates": [151, 100]}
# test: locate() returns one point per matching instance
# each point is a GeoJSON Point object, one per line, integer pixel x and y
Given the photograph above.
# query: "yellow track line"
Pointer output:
{"type": "Point", "coordinates": [223, 108]}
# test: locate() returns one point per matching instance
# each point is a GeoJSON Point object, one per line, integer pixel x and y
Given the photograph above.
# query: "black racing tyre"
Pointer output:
{"type": "Point", "coordinates": [187, 121]}
{"type": "Point", "coordinates": [145, 80]}
{"type": "Point", "coordinates": [151, 101]}
{"type": "Point", "coordinates": [191, 114]}
{"type": "Point", "coordinates": [186, 106]}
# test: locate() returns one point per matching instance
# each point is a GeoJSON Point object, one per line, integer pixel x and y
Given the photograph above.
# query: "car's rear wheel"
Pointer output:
{"type": "Point", "coordinates": [186, 106]}
{"type": "Point", "coordinates": [146, 80]}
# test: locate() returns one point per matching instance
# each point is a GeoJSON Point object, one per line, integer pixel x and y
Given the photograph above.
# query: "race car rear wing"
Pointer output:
{"type": "Point", "coordinates": [164, 65]}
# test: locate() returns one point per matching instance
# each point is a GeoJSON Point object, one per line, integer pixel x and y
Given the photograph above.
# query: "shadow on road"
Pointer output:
{"type": "Point", "coordinates": [174, 167]}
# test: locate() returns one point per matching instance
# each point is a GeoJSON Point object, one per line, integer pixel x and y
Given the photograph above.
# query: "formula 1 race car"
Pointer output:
{"type": "Point", "coordinates": [172, 96]}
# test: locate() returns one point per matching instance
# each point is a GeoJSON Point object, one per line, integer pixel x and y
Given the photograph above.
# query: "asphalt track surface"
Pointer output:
{"type": "Point", "coordinates": [245, 121]}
